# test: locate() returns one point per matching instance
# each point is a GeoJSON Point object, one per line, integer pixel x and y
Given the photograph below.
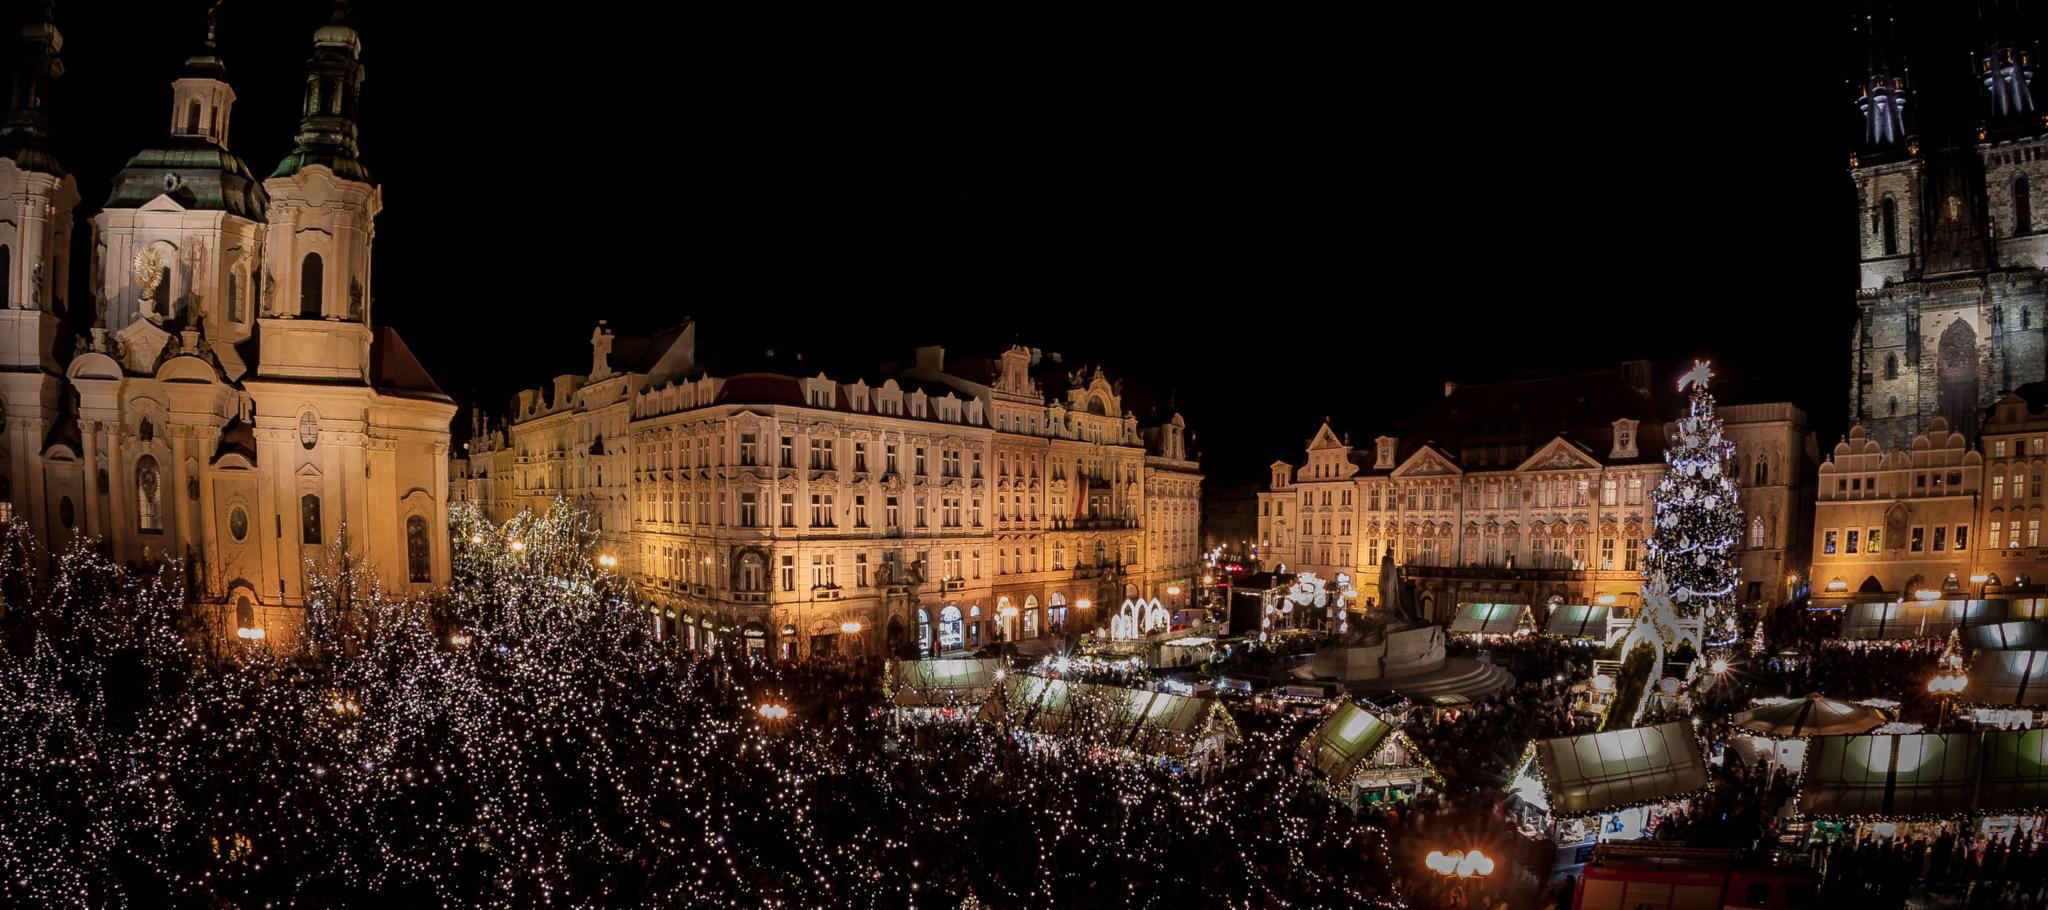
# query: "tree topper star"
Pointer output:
{"type": "Point", "coordinates": [1699, 375]}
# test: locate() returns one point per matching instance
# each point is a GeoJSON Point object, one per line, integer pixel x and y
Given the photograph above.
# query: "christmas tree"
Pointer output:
{"type": "Point", "coordinates": [1697, 524]}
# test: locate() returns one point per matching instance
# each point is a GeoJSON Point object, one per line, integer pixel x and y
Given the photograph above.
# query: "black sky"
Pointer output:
{"type": "Point", "coordinates": [1276, 218]}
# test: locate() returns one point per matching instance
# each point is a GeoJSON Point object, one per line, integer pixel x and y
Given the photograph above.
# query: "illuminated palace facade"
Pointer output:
{"type": "Point", "coordinates": [1531, 492]}
{"type": "Point", "coordinates": [224, 395]}
{"type": "Point", "coordinates": [942, 506]}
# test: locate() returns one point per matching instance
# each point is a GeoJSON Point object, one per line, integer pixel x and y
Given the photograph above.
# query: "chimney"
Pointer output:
{"type": "Point", "coordinates": [1449, 387]}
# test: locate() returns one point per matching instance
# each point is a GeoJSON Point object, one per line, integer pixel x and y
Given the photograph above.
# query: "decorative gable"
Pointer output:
{"type": "Point", "coordinates": [1383, 453]}
{"type": "Point", "coordinates": [1559, 455]}
{"type": "Point", "coordinates": [1426, 462]}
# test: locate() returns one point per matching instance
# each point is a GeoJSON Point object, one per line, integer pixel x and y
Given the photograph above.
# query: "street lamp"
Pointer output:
{"type": "Point", "coordinates": [607, 560]}
{"type": "Point", "coordinates": [1459, 865]}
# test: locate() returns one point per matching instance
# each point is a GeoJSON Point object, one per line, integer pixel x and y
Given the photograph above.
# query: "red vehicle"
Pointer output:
{"type": "Point", "coordinates": [1653, 877]}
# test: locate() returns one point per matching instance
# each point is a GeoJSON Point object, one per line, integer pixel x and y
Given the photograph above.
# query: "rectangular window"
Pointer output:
{"type": "Point", "coordinates": [920, 461]}
{"type": "Point", "coordinates": [1940, 538]}
{"type": "Point", "coordinates": [1827, 542]}
{"type": "Point", "coordinates": [789, 510]}
{"type": "Point", "coordinates": [1962, 537]}
{"type": "Point", "coordinates": [821, 454]}
{"type": "Point", "coordinates": [1372, 501]}
{"type": "Point", "coordinates": [1995, 527]}
{"type": "Point", "coordinates": [750, 449]}
{"type": "Point", "coordinates": [1346, 498]}
{"type": "Point", "coordinates": [860, 511]}
{"type": "Point", "coordinates": [750, 510]}
{"type": "Point", "coordinates": [860, 569]}
{"type": "Point", "coordinates": [1632, 545]}
{"type": "Point", "coordinates": [2034, 486]}
{"type": "Point", "coordinates": [2033, 532]}
{"type": "Point", "coordinates": [823, 571]}
{"type": "Point", "coordinates": [920, 510]}
{"type": "Point", "coordinates": [1870, 541]}
{"type": "Point", "coordinates": [891, 514]}
{"type": "Point", "coordinates": [1919, 540]}
{"type": "Point", "coordinates": [1606, 553]}
{"type": "Point", "coordinates": [1998, 449]}
{"type": "Point", "coordinates": [1998, 487]}
{"type": "Point", "coordinates": [975, 464]}
{"type": "Point", "coordinates": [1849, 546]}
{"type": "Point", "coordinates": [860, 457]}
{"type": "Point", "coordinates": [789, 451]}
{"type": "Point", "coordinates": [788, 573]}
{"type": "Point", "coordinates": [1608, 491]}
{"type": "Point", "coordinates": [821, 510]}
{"type": "Point", "coordinates": [2036, 450]}
{"type": "Point", "coordinates": [889, 464]}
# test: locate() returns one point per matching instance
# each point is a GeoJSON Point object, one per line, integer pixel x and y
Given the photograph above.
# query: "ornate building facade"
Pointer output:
{"type": "Point", "coordinates": [1531, 492]}
{"type": "Point", "coordinates": [233, 404]}
{"type": "Point", "coordinates": [944, 507]}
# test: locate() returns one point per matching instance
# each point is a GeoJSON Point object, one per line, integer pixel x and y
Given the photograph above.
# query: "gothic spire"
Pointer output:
{"type": "Point", "coordinates": [1884, 91]}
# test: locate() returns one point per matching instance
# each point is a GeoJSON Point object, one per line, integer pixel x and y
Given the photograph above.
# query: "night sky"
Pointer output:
{"type": "Point", "coordinates": [1272, 218]}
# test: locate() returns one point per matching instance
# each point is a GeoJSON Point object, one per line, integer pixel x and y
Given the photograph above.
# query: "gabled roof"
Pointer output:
{"type": "Point", "coordinates": [1584, 775]}
{"type": "Point", "coordinates": [1326, 438]}
{"type": "Point", "coordinates": [394, 369]}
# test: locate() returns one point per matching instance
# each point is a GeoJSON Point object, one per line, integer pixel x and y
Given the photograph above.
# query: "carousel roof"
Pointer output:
{"type": "Point", "coordinates": [1814, 715]}
{"type": "Point", "coordinates": [1597, 772]}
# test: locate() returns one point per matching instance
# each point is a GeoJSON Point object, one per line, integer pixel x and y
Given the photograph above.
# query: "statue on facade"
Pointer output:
{"type": "Point", "coordinates": [355, 299]}
{"type": "Point", "coordinates": [149, 275]}
{"type": "Point", "coordinates": [35, 282]}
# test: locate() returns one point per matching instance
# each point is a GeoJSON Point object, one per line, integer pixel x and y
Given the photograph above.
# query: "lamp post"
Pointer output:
{"type": "Point", "coordinates": [1469, 864]}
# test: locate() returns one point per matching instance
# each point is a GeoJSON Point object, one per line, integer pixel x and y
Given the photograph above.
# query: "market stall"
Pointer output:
{"type": "Point", "coordinates": [1612, 785]}
{"type": "Point", "coordinates": [1579, 621]}
{"type": "Point", "coordinates": [1187, 732]}
{"type": "Point", "coordinates": [940, 689]}
{"type": "Point", "coordinates": [1926, 775]}
{"type": "Point", "coordinates": [2011, 635]}
{"type": "Point", "coordinates": [1488, 619]}
{"type": "Point", "coordinates": [1919, 619]}
{"type": "Point", "coordinates": [1362, 759]}
{"type": "Point", "coordinates": [2008, 679]}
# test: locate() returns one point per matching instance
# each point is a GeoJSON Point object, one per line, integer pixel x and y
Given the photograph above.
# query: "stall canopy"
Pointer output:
{"type": "Point", "coordinates": [1143, 721]}
{"type": "Point", "coordinates": [1584, 775]}
{"type": "Point", "coordinates": [1497, 619]}
{"type": "Point", "coordinates": [1355, 744]}
{"type": "Point", "coordinates": [1578, 621]}
{"type": "Point", "coordinates": [1811, 716]}
{"type": "Point", "coordinates": [2018, 678]}
{"type": "Point", "coordinates": [1926, 774]}
{"type": "Point", "coordinates": [1920, 618]}
{"type": "Point", "coordinates": [2013, 635]}
{"type": "Point", "coordinates": [943, 683]}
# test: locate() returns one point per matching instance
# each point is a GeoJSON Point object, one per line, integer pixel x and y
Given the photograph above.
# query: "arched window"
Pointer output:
{"type": "Point", "coordinates": [192, 117]}
{"type": "Point", "coordinates": [1891, 366]}
{"type": "Point", "coordinates": [1763, 470]}
{"type": "Point", "coordinates": [245, 612]}
{"type": "Point", "coordinates": [1889, 224]}
{"type": "Point", "coordinates": [311, 278]}
{"type": "Point", "coordinates": [1756, 531]}
{"type": "Point", "coordinates": [418, 554]}
{"type": "Point", "coordinates": [2022, 207]}
{"type": "Point", "coordinates": [753, 572]}
{"type": "Point", "coordinates": [149, 495]}
{"type": "Point", "coordinates": [309, 517]}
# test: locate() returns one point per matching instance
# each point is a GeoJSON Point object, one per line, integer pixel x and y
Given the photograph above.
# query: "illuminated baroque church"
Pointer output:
{"type": "Point", "coordinates": [1954, 254]}
{"type": "Point", "coordinates": [225, 397]}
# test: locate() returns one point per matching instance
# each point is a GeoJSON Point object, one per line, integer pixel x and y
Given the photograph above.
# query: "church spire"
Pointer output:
{"type": "Point", "coordinates": [1882, 96]}
{"type": "Point", "coordinates": [25, 136]}
{"type": "Point", "coordinates": [327, 116]}
{"type": "Point", "coordinates": [2005, 68]}
{"type": "Point", "coordinates": [201, 98]}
